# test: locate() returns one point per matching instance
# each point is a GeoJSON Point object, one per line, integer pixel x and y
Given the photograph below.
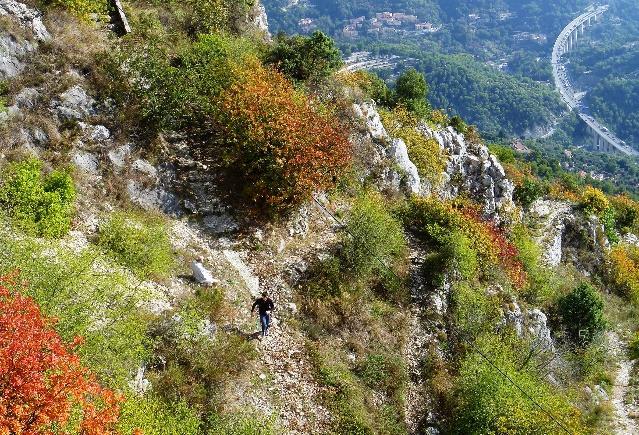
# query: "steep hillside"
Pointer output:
{"type": "Point", "coordinates": [422, 282]}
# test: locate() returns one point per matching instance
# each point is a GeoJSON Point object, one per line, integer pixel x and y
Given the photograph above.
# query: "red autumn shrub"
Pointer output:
{"type": "Point", "coordinates": [42, 381]}
{"type": "Point", "coordinates": [281, 142]}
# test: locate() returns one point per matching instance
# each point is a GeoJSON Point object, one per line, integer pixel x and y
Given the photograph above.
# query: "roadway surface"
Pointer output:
{"type": "Point", "coordinates": [565, 88]}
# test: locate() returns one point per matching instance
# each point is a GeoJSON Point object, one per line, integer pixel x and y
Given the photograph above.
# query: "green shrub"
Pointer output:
{"type": "Point", "coordinates": [429, 158]}
{"type": "Point", "coordinates": [81, 8]}
{"type": "Point", "coordinates": [241, 424]}
{"type": "Point", "coordinates": [196, 365]}
{"type": "Point", "coordinates": [154, 416]}
{"type": "Point", "coordinates": [377, 89]}
{"type": "Point", "coordinates": [543, 283]}
{"type": "Point", "coordinates": [39, 204]}
{"type": "Point", "coordinates": [372, 235]}
{"type": "Point", "coordinates": [634, 346]}
{"type": "Point", "coordinates": [345, 397]}
{"type": "Point", "coordinates": [459, 256]}
{"type": "Point", "coordinates": [487, 403]}
{"type": "Point", "coordinates": [138, 242]}
{"type": "Point", "coordinates": [609, 221]}
{"type": "Point", "coordinates": [385, 373]}
{"type": "Point", "coordinates": [458, 124]}
{"type": "Point", "coordinates": [473, 311]}
{"type": "Point", "coordinates": [529, 191]}
{"type": "Point", "coordinates": [582, 315]}
{"type": "Point", "coordinates": [66, 286]}
{"type": "Point", "coordinates": [305, 57]}
{"type": "Point", "coordinates": [411, 91]}
{"type": "Point", "coordinates": [626, 213]}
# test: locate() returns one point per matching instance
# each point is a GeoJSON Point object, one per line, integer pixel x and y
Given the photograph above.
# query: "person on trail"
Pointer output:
{"type": "Point", "coordinates": [201, 274]}
{"type": "Point", "coordinates": [265, 306]}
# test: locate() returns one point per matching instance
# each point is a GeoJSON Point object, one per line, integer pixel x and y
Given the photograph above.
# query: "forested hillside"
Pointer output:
{"type": "Point", "coordinates": [208, 230]}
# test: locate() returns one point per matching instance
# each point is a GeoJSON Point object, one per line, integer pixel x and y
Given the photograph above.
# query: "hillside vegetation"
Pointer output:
{"type": "Point", "coordinates": [423, 282]}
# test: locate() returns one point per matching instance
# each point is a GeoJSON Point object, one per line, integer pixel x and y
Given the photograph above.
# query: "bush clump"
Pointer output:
{"type": "Point", "coordinates": [623, 271]}
{"type": "Point", "coordinates": [39, 204]}
{"type": "Point", "coordinates": [626, 212]}
{"type": "Point", "coordinates": [529, 191]}
{"type": "Point", "coordinates": [138, 242]}
{"type": "Point", "coordinates": [582, 315]}
{"type": "Point", "coordinates": [81, 8]}
{"type": "Point", "coordinates": [262, 133]}
{"type": "Point", "coordinates": [438, 222]}
{"type": "Point", "coordinates": [305, 58]}
{"type": "Point", "coordinates": [373, 241]}
{"type": "Point", "coordinates": [486, 402]}
{"type": "Point", "coordinates": [594, 201]}
{"type": "Point", "coordinates": [429, 158]}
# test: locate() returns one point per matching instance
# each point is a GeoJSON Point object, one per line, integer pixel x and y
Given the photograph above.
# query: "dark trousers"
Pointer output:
{"type": "Point", "coordinates": [265, 321]}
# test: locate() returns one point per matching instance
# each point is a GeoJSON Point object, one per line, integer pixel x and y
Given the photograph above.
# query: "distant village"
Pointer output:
{"type": "Point", "coordinates": [381, 24]}
{"type": "Point", "coordinates": [387, 23]}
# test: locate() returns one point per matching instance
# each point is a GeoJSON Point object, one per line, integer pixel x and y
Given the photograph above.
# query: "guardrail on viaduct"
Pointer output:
{"type": "Point", "coordinates": [602, 139]}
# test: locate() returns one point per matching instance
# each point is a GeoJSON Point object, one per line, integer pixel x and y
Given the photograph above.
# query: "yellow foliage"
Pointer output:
{"type": "Point", "coordinates": [623, 270]}
{"type": "Point", "coordinates": [429, 158]}
{"type": "Point", "coordinates": [626, 213]}
{"type": "Point", "coordinates": [559, 192]}
{"type": "Point", "coordinates": [439, 118]}
{"type": "Point", "coordinates": [82, 8]}
{"type": "Point", "coordinates": [594, 200]}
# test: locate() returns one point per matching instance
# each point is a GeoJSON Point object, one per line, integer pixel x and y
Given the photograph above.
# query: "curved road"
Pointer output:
{"type": "Point", "coordinates": [604, 139]}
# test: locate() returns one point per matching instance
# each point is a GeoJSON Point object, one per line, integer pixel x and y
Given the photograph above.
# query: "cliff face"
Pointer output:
{"type": "Point", "coordinates": [470, 170]}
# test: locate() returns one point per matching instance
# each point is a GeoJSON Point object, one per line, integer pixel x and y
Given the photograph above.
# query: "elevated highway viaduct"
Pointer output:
{"type": "Point", "coordinates": [602, 139]}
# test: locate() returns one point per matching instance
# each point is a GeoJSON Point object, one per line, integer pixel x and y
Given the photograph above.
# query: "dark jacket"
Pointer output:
{"type": "Point", "coordinates": [263, 305]}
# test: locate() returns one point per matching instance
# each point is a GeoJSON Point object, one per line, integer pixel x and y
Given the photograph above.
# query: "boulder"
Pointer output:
{"type": "Point", "coordinates": [28, 18]}
{"type": "Point", "coordinates": [119, 156]}
{"type": "Point", "coordinates": [86, 162]}
{"type": "Point", "coordinates": [14, 48]}
{"type": "Point", "coordinates": [74, 105]}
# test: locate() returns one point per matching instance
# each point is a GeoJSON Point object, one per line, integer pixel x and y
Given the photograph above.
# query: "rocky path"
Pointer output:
{"type": "Point", "coordinates": [421, 340]}
{"type": "Point", "coordinates": [623, 423]}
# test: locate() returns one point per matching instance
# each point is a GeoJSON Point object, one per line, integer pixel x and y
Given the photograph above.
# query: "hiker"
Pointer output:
{"type": "Point", "coordinates": [200, 273]}
{"type": "Point", "coordinates": [265, 306]}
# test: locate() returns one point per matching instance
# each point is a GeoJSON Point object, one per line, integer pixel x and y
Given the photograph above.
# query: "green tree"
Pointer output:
{"type": "Point", "coordinates": [411, 91]}
{"type": "Point", "coordinates": [305, 58]}
{"type": "Point", "coordinates": [529, 191]}
{"type": "Point", "coordinates": [582, 314]}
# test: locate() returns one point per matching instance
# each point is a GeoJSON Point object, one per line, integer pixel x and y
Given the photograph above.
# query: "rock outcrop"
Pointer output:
{"type": "Point", "coordinates": [532, 324]}
{"type": "Point", "coordinates": [20, 34]}
{"type": "Point", "coordinates": [471, 169]}
{"type": "Point", "coordinates": [566, 235]}
{"type": "Point", "coordinates": [253, 19]}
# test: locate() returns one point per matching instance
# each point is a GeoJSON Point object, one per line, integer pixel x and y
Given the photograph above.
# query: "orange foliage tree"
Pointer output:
{"type": "Point", "coordinates": [284, 144]}
{"type": "Point", "coordinates": [491, 245]}
{"type": "Point", "coordinates": [43, 385]}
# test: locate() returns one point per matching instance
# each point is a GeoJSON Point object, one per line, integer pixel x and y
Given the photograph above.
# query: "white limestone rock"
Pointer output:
{"type": "Point", "coordinates": [119, 156]}
{"type": "Point", "coordinates": [86, 162]}
{"type": "Point", "coordinates": [144, 167]}
{"type": "Point", "coordinates": [29, 18]}
{"type": "Point", "coordinates": [220, 223]}
{"type": "Point", "coordinates": [74, 104]}
{"type": "Point", "coordinates": [153, 198]}
{"type": "Point", "coordinates": [399, 152]}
